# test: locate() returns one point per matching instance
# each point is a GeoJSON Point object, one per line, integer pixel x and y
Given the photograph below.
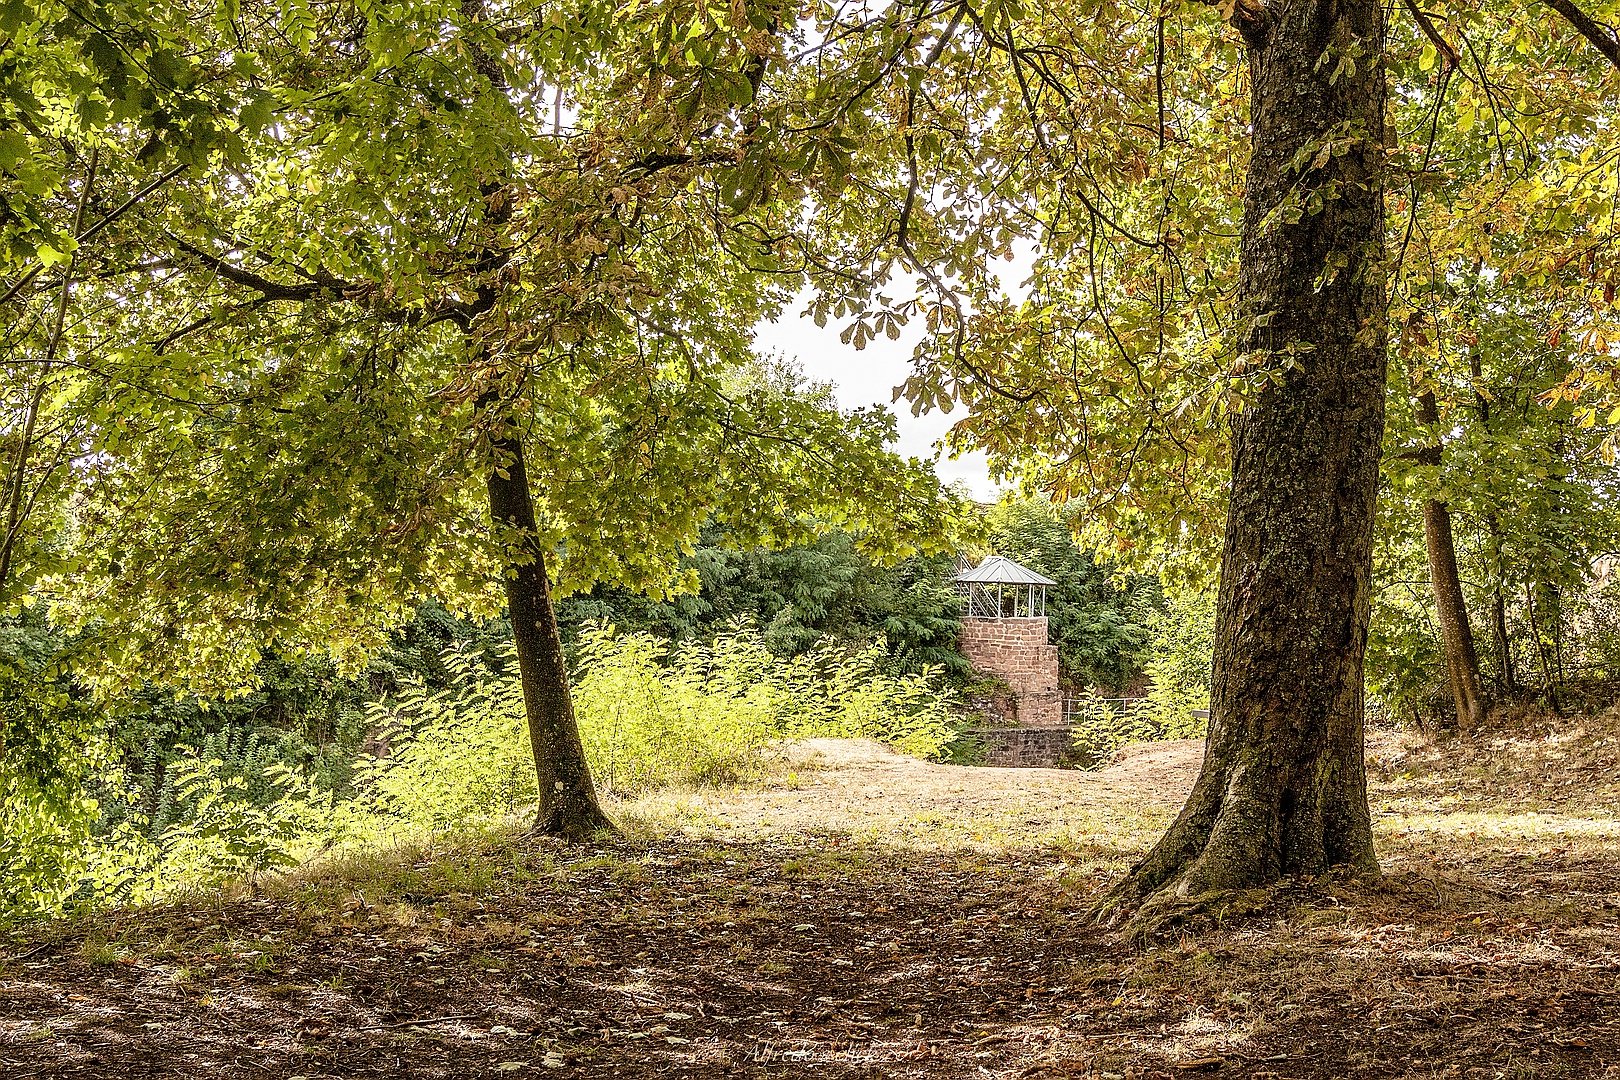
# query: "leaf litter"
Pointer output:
{"type": "Point", "coordinates": [874, 916]}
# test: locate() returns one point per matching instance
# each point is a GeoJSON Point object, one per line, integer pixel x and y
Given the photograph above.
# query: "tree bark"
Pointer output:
{"type": "Point", "coordinates": [1507, 680]}
{"type": "Point", "coordinates": [1283, 786]}
{"type": "Point", "coordinates": [1536, 603]}
{"type": "Point", "coordinates": [1456, 635]}
{"type": "Point", "coordinates": [1504, 652]}
{"type": "Point", "coordinates": [567, 806]}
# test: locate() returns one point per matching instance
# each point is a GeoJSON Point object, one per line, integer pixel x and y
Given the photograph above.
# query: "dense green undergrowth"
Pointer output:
{"type": "Point", "coordinates": [651, 716]}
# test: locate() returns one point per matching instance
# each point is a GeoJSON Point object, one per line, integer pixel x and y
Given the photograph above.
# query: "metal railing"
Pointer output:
{"type": "Point", "coordinates": [1085, 706]}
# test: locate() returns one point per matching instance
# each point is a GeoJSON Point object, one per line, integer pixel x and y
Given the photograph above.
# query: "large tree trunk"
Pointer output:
{"type": "Point", "coordinates": [1456, 635]}
{"type": "Point", "coordinates": [568, 806]}
{"type": "Point", "coordinates": [1283, 785]}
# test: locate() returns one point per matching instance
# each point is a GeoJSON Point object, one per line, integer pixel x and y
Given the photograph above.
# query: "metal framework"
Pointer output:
{"type": "Point", "coordinates": [999, 588]}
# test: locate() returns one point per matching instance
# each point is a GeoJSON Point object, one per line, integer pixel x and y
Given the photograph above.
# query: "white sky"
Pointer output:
{"type": "Point", "coordinates": [868, 377]}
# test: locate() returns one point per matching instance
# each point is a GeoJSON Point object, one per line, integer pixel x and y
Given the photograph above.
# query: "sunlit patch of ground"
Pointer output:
{"type": "Point", "coordinates": [869, 915]}
{"type": "Point", "coordinates": [858, 791]}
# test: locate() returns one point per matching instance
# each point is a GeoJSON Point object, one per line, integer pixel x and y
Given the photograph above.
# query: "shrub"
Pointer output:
{"type": "Point", "coordinates": [650, 716]}
{"type": "Point", "coordinates": [1178, 669]}
{"type": "Point", "coordinates": [452, 754]}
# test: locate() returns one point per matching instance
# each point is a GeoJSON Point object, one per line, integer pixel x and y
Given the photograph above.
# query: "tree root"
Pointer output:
{"type": "Point", "coordinates": [1168, 911]}
{"type": "Point", "coordinates": [1165, 914]}
{"type": "Point", "coordinates": [576, 825]}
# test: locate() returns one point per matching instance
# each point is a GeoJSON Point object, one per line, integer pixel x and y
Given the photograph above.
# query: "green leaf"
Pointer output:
{"type": "Point", "coordinates": [50, 256]}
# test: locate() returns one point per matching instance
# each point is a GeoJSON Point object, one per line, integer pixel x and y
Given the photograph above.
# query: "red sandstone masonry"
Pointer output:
{"type": "Point", "coordinates": [1017, 651]}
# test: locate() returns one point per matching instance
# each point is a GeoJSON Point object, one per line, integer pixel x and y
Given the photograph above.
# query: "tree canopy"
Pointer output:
{"type": "Point", "coordinates": [314, 308]}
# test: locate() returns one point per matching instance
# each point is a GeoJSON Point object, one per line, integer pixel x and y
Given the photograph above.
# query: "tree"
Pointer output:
{"type": "Point", "coordinates": [310, 395]}
{"type": "Point", "coordinates": [1283, 785]}
{"type": "Point", "coordinates": [1144, 326]}
{"type": "Point", "coordinates": [824, 591]}
{"type": "Point", "coordinates": [1457, 636]}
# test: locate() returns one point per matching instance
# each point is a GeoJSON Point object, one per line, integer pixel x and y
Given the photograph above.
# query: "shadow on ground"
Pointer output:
{"type": "Point", "coordinates": [961, 951]}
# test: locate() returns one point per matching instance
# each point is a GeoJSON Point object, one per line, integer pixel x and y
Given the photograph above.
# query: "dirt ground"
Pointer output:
{"type": "Point", "coordinates": [874, 916]}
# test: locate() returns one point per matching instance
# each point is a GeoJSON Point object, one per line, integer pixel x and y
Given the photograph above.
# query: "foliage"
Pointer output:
{"type": "Point", "coordinates": [51, 744]}
{"type": "Point", "coordinates": [823, 592]}
{"type": "Point", "coordinates": [48, 729]}
{"type": "Point", "coordinates": [222, 827]}
{"type": "Point", "coordinates": [1177, 666]}
{"type": "Point", "coordinates": [1406, 670]}
{"type": "Point", "coordinates": [113, 800]}
{"type": "Point", "coordinates": [301, 349]}
{"type": "Point", "coordinates": [43, 836]}
{"type": "Point", "coordinates": [649, 717]}
{"type": "Point", "coordinates": [453, 754]}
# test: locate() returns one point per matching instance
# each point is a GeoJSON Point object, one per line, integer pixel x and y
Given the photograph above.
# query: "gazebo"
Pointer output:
{"type": "Point", "coordinates": [999, 588]}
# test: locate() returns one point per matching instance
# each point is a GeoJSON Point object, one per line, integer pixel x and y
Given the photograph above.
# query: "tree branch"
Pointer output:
{"type": "Point", "coordinates": [145, 190]}
{"type": "Point", "coordinates": [1441, 45]}
{"type": "Point", "coordinates": [15, 513]}
{"type": "Point", "coordinates": [1602, 37]}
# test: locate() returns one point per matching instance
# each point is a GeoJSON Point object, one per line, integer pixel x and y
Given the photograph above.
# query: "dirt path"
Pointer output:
{"type": "Point", "coordinates": [874, 917]}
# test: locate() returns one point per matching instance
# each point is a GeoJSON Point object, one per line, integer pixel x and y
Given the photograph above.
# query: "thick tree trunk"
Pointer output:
{"type": "Point", "coordinates": [1456, 635]}
{"type": "Point", "coordinates": [568, 806]}
{"type": "Point", "coordinates": [1283, 785]}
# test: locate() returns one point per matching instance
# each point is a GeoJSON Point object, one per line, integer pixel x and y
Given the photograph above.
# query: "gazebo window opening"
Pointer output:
{"type": "Point", "coordinates": [1002, 601]}
{"type": "Point", "coordinates": [999, 588]}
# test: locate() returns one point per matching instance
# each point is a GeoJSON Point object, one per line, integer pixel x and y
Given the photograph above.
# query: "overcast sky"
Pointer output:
{"type": "Point", "coordinates": [868, 377]}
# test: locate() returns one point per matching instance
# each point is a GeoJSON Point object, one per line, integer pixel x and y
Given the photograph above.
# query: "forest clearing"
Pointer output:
{"type": "Point", "coordinates": [874, 538]}
{"type": "Point", "coordinates": [865, 914]}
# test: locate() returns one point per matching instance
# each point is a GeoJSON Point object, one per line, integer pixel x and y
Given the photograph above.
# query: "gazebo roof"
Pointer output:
{"type": "Point", "coordinates": [1000, 570]}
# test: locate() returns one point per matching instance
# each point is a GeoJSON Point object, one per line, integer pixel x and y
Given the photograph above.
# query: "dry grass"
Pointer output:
{"type": "Point", "coordinates": [874, 916]}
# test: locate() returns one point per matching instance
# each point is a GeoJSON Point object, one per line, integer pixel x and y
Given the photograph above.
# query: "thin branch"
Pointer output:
{"type": "Point", "coordinates": [140, 193]}
{"type": "Point", "coordinates": [25, 441]}
{"type": "Point", "coordinates": [1441, 45]}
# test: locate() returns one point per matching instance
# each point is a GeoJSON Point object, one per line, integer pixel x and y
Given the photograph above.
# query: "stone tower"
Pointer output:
{"type": "Point", "coordinates": [1004, 633]}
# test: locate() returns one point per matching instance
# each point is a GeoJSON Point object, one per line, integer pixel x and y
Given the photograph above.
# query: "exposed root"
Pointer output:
{"type": "Point", "coordinates": [1119, 904]}
{"type": "Point", "coordinates": [1166, 914]}
{"type": "Point", "coordinates": [1174, 910]}
{"type": "Point", "coordinates": [576, 824]}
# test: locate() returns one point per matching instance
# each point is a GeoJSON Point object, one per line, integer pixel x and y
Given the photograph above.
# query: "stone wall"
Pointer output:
{"type": "Point", "coordinates": [1018, 652]}
{"type": "Point", "coordinates": [1028, 747]}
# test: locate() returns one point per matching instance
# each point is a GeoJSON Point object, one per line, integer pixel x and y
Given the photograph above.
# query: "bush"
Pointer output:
{"type": "Point", "coordinates": [650, 716]}
{"type": "Point", "coordinates": [452, 754]}
{"type": "Point", "coordinates": [1178, 669]}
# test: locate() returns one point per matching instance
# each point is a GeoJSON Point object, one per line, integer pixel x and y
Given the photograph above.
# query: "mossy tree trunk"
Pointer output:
{"type": "Point", "coordinates": [568, 806]}
{"type": "Point", "coordinates": [1283, 785]}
